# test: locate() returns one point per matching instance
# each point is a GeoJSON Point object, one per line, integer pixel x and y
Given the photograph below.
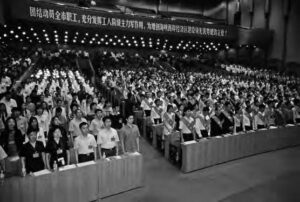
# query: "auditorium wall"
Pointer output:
{"type": "Point", "coordinates": [276, 23]}
{"type": "Point", "coordinates": [2, 12]}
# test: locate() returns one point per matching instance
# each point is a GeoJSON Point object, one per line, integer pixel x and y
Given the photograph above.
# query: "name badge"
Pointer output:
{"type": "Point", "coordinates": [113, 139]}
{"type": "Point", "coordinates": [39, 137]}
{"type": "Point", "coordinates": [59, 151]}
{"type": "Point", "coordinates": [35, 155]}
{"type": "Point", "coordinates": [90, 146]}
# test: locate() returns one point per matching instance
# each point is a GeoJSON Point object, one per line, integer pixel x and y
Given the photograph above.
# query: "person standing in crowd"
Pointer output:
{"type": "Point", "coordinates": [42, 120]}
{"type": "Point", "coordinates": [12, 141]}
{"type": "Point", "coordinates": [85, 145]}
{"type": "Point", "coordinates": [296, 111]}
{"type": "Point", "coordinates": [186, 126]}
{"type": "Point", "coordinates": [74, 128]}
{"type": "Point", "coordinates": [129, 136]}
{"type": "Point", "coordinates": [146, 104]}
{"type": "Point", "coordinates": [97, 123]}
{"type": "Point", "coordinates": [156, 112]}
{"type": "Point", "coordinates": [3, 116]}
{"type": "Point", "coordinates": [62, 120]}
{"type": "Point", "coordinates": [260, 118]}
{"type": "Point", "coordinates": [72, 111]}
{"type": "Point", "coordinates": [108, 139]}
{"type": "Point", "coordinates": [202, 123]}
{"type": "Point", "coordinates": [57, 149]}
{"type": "Point", "coordinates": [216, 125]}
{"type": "Point", "coordinates": [169, 121]}
{"type": "Point", "coordinates": [21, 121]}
{"type": "Point", "coordinates": [32, 154]}
{"type": "Point", "coordinates": [34, 125]}
{"type": "Point", "coordinates": [48, 99]}
{"type": "Point", "coordinates": [227, 119]}
{"type": "Point", "coordinates": [116, 119]}
{"type": "Point", "coordinates": [59, 103]}
{"type": "Point", "coordinates": [9, 103]}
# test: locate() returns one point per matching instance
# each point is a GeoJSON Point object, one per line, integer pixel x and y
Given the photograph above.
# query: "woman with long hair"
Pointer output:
{"type": "Point", "coordinates": [33, 125]}
{"type": "Point", "coordinates": [12, 141]}
{"type": "Point", "coordinates": [55, 123]}
{"type": "Point", "coordinates": [57, 149]}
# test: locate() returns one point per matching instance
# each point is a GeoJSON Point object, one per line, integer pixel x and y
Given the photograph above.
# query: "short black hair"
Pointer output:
{"type": "Point", "coordinates": [82, 124]}
{"type": "Point", "coordinates": [105, 118]}
{"type": "Point", "coordinates": [32, 130]}
{"type": "Point", "coordinates": [128, 115]}
{"type": "Point", "coordinates": [98, 110]}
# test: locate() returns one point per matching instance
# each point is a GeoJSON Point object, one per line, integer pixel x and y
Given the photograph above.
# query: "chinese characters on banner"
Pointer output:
{"type": "Point", "coordinates": [79, 18]}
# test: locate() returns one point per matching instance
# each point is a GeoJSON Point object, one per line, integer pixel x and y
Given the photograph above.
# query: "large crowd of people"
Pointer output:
{"type": "Point", "coordinates": [211, 103]}
{"type": "Point", "coordinates": [58, 109]}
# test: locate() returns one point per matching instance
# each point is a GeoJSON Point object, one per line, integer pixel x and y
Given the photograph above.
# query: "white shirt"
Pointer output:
{"type": "Point", "coordinates": [145, 106]}
{"type": "Point", "coordinates": [108, 138]}
{"type": "Point", "coordinates": [9, 105]}
{"type": "Point", "coordinates": [183, 127]}
{"type": "Point", "coordinates": [199, 125]}
{"type": "Point", "coordinates": [95, 126]}
{"type": "Point", "coordinates": [85, 145]}
{"type": "Point", "coordinates": [74, 126]}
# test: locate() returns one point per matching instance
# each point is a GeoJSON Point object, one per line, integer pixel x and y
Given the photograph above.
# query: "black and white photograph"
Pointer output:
{"type": "Point", "coordinates": [149, 100]}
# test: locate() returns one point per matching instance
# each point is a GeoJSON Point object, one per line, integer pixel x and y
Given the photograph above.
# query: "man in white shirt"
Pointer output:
{"type": "Point", "coordinates": [187, 126]}
{"type": "Point", "coordinates": [146, 104]}
{"type": "Point", "coordinates": [74, 128]}
{"type": "Point", "coordinates": [97, 123]}
{"type": "Point", "coordinates": [108, 139]}
{"type": "Point", "coordinates": [9, 103]}
{"type": "Point", "coordinates": [85, 145]}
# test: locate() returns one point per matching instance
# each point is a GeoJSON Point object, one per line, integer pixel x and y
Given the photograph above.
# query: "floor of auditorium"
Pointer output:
{"type": "Point", "coordinates": [273, 176]}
